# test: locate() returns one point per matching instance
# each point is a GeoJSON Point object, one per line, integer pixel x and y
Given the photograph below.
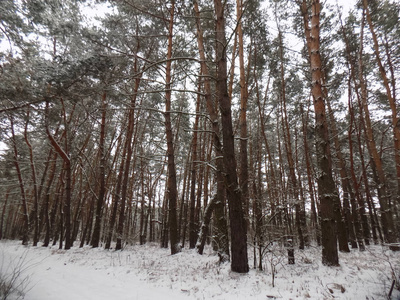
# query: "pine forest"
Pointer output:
{"type": "Point", "coordinates": [230, 124]}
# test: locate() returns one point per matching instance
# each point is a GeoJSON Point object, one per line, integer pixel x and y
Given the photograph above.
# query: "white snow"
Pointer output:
{"type": "Point", "coordinates": [149, 272]}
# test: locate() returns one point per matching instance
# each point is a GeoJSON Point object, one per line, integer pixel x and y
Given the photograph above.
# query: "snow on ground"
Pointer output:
{"type": "Point", "coordinates": [149, 272]}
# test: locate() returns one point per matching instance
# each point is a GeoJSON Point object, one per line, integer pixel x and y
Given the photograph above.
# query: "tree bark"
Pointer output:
{"type": "Point", "coordinates": [116, 198]}
{"type": "Point", "coordinates": [326, 186]}
{"type": "Point", "coordinates": [288, 144]}
{"type": "Point", "coordinates": [273, 189]}
{"type": "Point", "coordinates": [357, 208]}
{"type": "Point", "coordinates": [310, 181]}
{"type": "Point", "coordinates": [193, 227]}
{"type": "Point", "coordinates": [205, 226]}
{"type": "Point", "coordinates": [239, 262]}
{"type": "Point", "coordinates": [34, 215]}
{"type": "Point", "coordinates": [46, 205]}
{"type": "Point", "coordinates": [244, 165]}
{"type": "Point", "coordinates": [64, 153]}
{"type": "Point", "coordinates": [102, 179]}
{"type": "Point", "coordinates": [25, 226]}
{"type": "Point", "coordinates": [172, 189]}
{"type": "Point", "coordinates": [346, 219]}
{"type": "Point", "coordinates": [221, 223]}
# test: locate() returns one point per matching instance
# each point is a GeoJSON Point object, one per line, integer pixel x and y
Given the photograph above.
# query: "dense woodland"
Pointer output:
{"type": "Point", "coordinates": [231, 123]}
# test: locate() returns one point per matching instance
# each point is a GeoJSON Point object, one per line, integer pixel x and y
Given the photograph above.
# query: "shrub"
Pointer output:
{"type": "Point", "coordinates": [13, 281]}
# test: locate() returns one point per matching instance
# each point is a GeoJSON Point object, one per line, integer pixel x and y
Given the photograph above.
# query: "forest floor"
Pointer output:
{"type": "Point", "coordinates": [149, 272]}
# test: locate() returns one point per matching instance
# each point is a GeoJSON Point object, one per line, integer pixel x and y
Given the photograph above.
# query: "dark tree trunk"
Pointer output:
{"type": "Point", "coordinates": [357, 208]}
{"type": "Point", "coordinates": [205, 226]}
{"type": "Point", "coordinates": [239, 261]}
{"type": "Point", "coordinates": [244, 165]}
{"type": "Point", "coordinates": [64, 153]}
{"type": "Point", "coordinates": [46, 205]}
{"type": "Point", "coordinates": [220, 214]}
{"type": "Point", "coordinates": [193, 227]}
{"type": "Point", "coordinates": [288, 147]}
{"type": "Point", "coordinates": [3, 213]}
{"type": "Point", "coordinates": [314, 214]}
{"type": "Point", "coordinates": [172, 189]}
{"type": "Point", "coordinates": [102, 179]}
{"type": "Point", "coordinates": [34, 215]}
{"type": "Point", "coordinates": [142, 236]}
{"type": "Point", "coordinates": [115, 202]}
{"type": "Point", "coordinates": [348, 219]}
{"type": "Point", "coordinates": [25, 227]}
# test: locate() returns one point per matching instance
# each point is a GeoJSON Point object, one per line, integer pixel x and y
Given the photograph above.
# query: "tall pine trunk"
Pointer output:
{"type": "Point", "coordinates": [193, 226]}
{"type": "Point", "coordinates": [239, 262]}
{"type": "Point", "coordinates": [102, 179]}
{"type": "Point", "coordinates": [219, 207]}
{"type": "Point", "coordinates": [25, 215]}
{"type": "Point", "coordinates": [288, 145]}
{"type": "Point", "coordinates": [327, 192]}
{"type": "Point", "coordinates": [244, 165]}
{"type": "Point", "coordinates": [172, 189]}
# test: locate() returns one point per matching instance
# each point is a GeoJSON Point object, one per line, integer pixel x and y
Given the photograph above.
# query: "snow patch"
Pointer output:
{"type": "Point", "coordinates": [150, 272]}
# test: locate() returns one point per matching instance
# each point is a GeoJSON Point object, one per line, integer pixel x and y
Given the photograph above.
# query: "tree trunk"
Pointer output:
{"type": "Point", "coordinates": [346, 220]}
{"type": "Point", "coordinates": [46, 205]}
{"type": "Point", "coordinates": [358, 208]}
{"type": "Point", "coordinates": [172, 189]}
{"type": "Point", "coordinates": [116, 198]}
{"type": "Point", "coordinates": [142, 236]}
{"type": "Point", "coordinates": [258, 207]}
{"type": "Point", "coordinates": [3, 213]}
{"type": "Point", "coordinates": [64, 153]}
{"type": "Point", "coordinates": [102, 179]}
{"type": "Point", "coordinates": [130, 142]}
{"type": "Point", "coordinates": [310, 181]}
{"type": "Point", "coordinates": [239, 262]}
{"type": "Point", "coordinates": [205, 226]}
{"type": "Point", "coordinates": [34, 215]}
{"type": "Point", "coordinates": [326, 186]}
{"type": "Point", "coordinates": [221, 223]}
{"type": "Point", "coordinates": [193, 230]}
{"type": "Point", "coordinates": [288, 145]}
{"type": "Point", "coordinates": [244, 165]}
{"type": "Point", "coordinates": [25, 227]}
{"type": "Point", "coordinates": [273, 190]}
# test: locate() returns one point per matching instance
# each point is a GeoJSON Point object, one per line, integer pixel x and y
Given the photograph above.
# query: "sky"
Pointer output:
{"type": "Point", "coordinates": [346, 4]}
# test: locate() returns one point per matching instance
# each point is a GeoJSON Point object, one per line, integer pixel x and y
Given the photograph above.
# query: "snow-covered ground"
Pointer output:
{"type": "Point", "coordinates": [149, 272]}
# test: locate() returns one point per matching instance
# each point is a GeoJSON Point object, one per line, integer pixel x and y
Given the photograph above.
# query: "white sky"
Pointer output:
{"type": "Point", "coordinates": [346, 4]}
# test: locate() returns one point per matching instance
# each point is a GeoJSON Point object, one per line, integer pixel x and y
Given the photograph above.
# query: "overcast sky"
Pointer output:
{"type": "Point", "coordinates": [346, 4]}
